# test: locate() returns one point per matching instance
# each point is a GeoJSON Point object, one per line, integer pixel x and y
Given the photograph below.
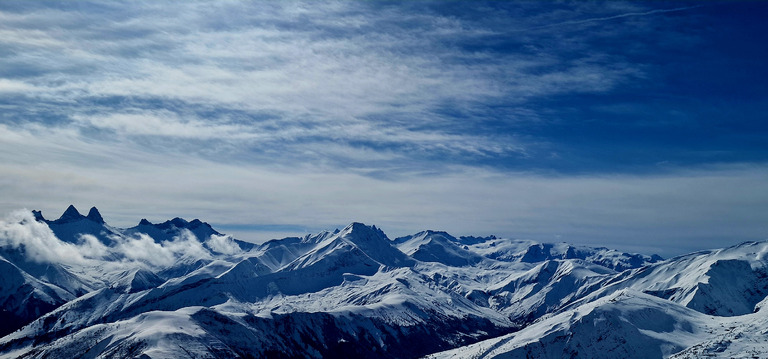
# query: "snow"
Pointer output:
{"type": "Point", "coordinates": [625, 324]}
{"type": "Point", "coordinates": [724, 282]}
{"type": "Point", "coordinates": [181, 288]}
{"type": "Point", "coordinates": [441, 247]}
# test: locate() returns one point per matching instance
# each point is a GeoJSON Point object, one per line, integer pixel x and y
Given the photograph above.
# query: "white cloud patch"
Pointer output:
{"type": "Point", "coordinates": [143, 248]}
{"type": "Point", "coordinates": [20, 230]}
{"type": "Point", "coordinates": [91, 247]}
{"type": "Point", "coordinates": [223, 244]}
{"type": "Point", "coordinates": [14, 86]}
{"type": "Point", "coordinates": [162, 123]}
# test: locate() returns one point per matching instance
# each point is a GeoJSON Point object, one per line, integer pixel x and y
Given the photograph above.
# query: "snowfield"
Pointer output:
{"type": "Point", "coordinates": [77, 287]}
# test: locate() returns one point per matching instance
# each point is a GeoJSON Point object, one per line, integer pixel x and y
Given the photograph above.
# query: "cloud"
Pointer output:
{"type": "Point", "coordinates": [144, 249]}
{"type": "Point", "coordinates": [19, 230]}
{"type": "Point", "coordinates": [162, 123]}
{"type": "Point", "coordinates": [223, 244]}
{"type": "Point", "coordinates": [607, 18]}
{"type": "Point", "coordinates": [13, 86]}
{"type": "Point", "coordinates": [284, 77]}
{"type": "Point", "coordinates": [90, 247]}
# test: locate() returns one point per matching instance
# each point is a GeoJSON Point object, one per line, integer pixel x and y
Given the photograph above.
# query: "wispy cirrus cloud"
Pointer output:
{"type": "Point", "coordinates": [316, 69]}
{"type": "Point", "coordinates": [161, 123]}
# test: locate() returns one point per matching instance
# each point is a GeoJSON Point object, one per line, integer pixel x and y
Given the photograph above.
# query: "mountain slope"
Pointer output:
{"type": "Point", "coordinates": [626, 324]}
{"type": "Point", "coordinates": [725, 282]}
{"type": "Point", "coordinates": [24, 298]}
{"type": "Point", "coordinates": [181, 288]}
{"type": "Point", "coordinates": [441, 247]}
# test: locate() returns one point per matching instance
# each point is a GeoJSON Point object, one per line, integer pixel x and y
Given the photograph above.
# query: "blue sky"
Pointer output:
{"type": "Point", "coordinates": [635, 125]}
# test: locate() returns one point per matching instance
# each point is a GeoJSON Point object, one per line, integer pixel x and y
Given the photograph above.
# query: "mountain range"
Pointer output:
{"type": "Point", "coordinates": [78, 287]}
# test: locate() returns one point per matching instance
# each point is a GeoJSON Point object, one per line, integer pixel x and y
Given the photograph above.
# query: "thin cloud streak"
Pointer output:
{"type": "Point", "coordinates": [607, 18]}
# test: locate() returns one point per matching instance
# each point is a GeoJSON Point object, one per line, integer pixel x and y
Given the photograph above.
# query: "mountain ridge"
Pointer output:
{"type": "Point", "coordinates": [358, 293]}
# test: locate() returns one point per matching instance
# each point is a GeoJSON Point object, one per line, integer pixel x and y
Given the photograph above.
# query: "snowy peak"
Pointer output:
{"type": "Point", "coordinates": [428, 234]}
{"type": "Point", "coordinates": [435, 246]}
{"type": "Point", "coordinates": [357, 248]}
{"type": "Point", "coordinates": [374, 243]}
{"type": "Point", "coordinates": [362, 231]}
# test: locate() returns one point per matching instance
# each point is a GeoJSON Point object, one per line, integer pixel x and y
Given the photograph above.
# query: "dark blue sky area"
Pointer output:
{"type": "Point", "coordinates": [700, 95]}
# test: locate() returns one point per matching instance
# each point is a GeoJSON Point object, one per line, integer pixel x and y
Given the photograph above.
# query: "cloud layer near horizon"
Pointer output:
{"type": "Point", "coordinates": [549, 121]}
{"type": "Point", "coordinates": [667, 213]}
{"type": "Point", "coordinates": [38, 243]}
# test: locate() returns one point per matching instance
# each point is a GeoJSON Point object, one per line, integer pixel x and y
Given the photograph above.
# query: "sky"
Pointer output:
{"type": "Point", "coordinates": [641, 126]}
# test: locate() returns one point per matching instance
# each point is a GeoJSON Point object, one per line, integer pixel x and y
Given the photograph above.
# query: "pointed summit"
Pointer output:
{"type": "Point", "coordinates": [363, 231]}
{"type": "Point", "coordinates": [145, 222]}
{"type": "Point", "coordinates": [71, 214]}
{"type": "Point", "coordinates": [95, 216]}
{"type": "Point", "coordinates": [375, 244]}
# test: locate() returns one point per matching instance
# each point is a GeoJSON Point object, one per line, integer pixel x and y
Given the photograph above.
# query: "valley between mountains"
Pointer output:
{"type": "Point", "coordinates": [76, 287]}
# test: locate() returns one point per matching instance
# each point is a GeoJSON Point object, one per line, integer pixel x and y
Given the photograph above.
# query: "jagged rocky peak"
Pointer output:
{"type": "Point", "coordinates": [470, 240]}
{"type": "Point", "coordinates": [95, 216]}
{"type": "Point", "coordinates": [363, 231]}
{"type": "Point", "coordinates": [70, 215]}
{"type": "Point", "coordinates": [145, 222]}
{"type": "Point", "coordinates": [179, 222]}
{"type": "Point", "coordinates": [183, 223]}
{"type": "Point", "coordinates": [197, 223]}
{"type": "Point", "coordinates": [176, 222]}
{"type": "Point", "coordinates": [71, 212]}
{"type": "Point", "coordinates": [38, 216]}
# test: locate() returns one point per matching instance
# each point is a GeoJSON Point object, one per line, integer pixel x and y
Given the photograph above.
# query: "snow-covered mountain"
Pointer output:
{"type": "Point", "coordinates": [77, 287]}
{"type": "Point", "coordinates": [704, 304]}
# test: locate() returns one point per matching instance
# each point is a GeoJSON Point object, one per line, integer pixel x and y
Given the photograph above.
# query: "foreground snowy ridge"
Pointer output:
{"type": "Point", "coordinates": [77, 287]}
